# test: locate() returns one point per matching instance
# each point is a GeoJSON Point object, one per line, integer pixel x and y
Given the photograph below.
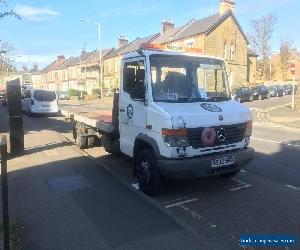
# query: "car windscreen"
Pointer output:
{"type": "Point", "coordinates": [263, 88]}
{"type": "Point", "coordinates": [44, 96]}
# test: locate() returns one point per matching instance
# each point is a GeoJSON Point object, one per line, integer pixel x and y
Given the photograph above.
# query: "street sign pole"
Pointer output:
{"type": "Point", "coordinates": [293, 71]}
{"type": "Point", "coordinates": [293, 96]}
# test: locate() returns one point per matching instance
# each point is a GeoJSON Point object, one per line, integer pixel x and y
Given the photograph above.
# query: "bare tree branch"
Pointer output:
{"type": "Point", "coordinates": [285, 57]}
{"type": "Point", "coordinates": [260, 40]}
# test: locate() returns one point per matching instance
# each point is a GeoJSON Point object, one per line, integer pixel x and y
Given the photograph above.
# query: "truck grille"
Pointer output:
{"type": "Point", "coordinates": [234, 134]}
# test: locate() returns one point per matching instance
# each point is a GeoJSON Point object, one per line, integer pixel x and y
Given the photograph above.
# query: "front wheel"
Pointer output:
{"type": "Point", "coordinates": [147, 172]}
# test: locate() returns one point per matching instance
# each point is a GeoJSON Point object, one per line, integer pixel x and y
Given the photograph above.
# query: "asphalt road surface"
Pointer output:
{"type": "Point", "coordinates": [263, 199]}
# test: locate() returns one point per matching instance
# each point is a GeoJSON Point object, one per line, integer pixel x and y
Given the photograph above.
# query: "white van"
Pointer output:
{"type": "Point", "coordinates": [39, 101]}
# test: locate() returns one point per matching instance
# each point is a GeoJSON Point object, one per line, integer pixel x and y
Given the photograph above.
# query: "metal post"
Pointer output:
{"type": "Point", "coordinates": [100, 62]}
{"type": "Point", "coordinates": [293, 95]}
{"type": "Point", "coordinates": [3, 146]}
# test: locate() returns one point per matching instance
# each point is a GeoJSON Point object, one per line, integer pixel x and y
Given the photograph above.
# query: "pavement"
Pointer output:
{"type": "Point", "coordinates": [209, 213]}
{"type": "Point", "coordinates": [278, 114]}
{"type": "Point", "coordinates": [285, 115]}
{"type": "Point", "coordinates": [64, 200]}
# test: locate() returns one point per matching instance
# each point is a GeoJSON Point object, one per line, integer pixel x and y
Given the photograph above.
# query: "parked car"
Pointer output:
{"type": "Point", "coordinates": [242, 94]}
{"type": "Point", "coordinates": [62, 95]}
{"type": "Point", "coordinates": [288, 89]}
{"type": "Point", "coordinates": [276, 90]}
{"type": "Point", "coordinates": [39, 101]}
{"type": "Point", "coordinates": [260, 92]}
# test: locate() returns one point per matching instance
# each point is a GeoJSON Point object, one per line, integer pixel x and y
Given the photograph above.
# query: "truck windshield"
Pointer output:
{"type": "Point", "coordinates": [188, 79]}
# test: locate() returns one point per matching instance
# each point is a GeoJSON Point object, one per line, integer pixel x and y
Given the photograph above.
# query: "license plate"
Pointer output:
{"type": "Point", "coordinates": [222, 162]}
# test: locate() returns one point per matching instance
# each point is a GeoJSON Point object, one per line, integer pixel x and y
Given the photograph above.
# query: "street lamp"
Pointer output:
{"type": "Point", "coordinates": [100, 54]}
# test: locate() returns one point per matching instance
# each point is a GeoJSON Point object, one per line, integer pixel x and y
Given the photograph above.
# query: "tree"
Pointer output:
{"type": "Point", "coordinates": [285, 58]}
{"type": "Point", "coordinates": [6, 12]}
{"type": "Point", "coordinates": [260, 40]}
{"type": "Point", "coordinates": [6, 66]}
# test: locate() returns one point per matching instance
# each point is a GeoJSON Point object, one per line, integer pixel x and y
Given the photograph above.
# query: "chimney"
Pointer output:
{"type": "Point", "coordinates": [226, 5]}
{"type": "Point", "coordinates": [35, 67]}
{"type": "Point", "coordinates": [122, 41]}
{"type": "Point", "coordinates": [166, 24]}
{"type": "Point", "coordinates": [24, 68]}
{"type": "Point", "coordinates": [60, 57]}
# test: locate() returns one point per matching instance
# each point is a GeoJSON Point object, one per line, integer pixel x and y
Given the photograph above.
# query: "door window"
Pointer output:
{"type": "Point", "coordinates": [134, 79]}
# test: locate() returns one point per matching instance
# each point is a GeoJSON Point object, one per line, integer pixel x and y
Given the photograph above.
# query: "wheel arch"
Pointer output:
{"type": "Point", "coordinates": [143, 141]}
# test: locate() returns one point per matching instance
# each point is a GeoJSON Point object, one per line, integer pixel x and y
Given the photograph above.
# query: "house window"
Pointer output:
{"type": "Point", "coordinates": [116, 66]}
{"type": "Point", "coordinates": [225, 51]}
{"type": "Point", "coordinates": [232, 52]}
{"type": "Point", "coordinates": [190, 45]}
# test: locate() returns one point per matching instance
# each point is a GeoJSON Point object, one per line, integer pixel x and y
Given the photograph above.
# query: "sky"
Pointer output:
{"type": "Point", "coordinates": [51, 27]}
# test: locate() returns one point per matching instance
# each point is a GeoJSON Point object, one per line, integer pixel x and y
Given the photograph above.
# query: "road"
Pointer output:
{"type": "Point", "coordinates": [263, 199]}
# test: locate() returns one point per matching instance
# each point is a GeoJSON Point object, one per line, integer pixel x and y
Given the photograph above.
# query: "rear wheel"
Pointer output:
{"type": "Point", "coordinates": [147, 172]}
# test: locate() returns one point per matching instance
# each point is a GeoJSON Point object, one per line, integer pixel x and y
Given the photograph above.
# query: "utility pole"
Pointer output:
{"type": "Point", "coordinates": [293, 72]}
{"type": "Point", "coordinates": [100, 55]}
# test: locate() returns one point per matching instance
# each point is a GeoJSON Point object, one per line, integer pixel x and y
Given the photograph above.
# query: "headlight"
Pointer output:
{"type": "Point", "coordinates": [175, 137]}
{"type": "Point", "coordinates": [248, 131]}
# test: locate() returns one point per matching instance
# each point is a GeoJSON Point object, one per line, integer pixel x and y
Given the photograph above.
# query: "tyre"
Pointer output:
{"type": "Point", "coordinates": [147, 172]}
{"type": "Point", "coordinates": [231, 174]}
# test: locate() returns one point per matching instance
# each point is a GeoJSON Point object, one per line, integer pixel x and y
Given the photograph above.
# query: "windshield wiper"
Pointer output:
{"type": "Point", "coordinates": [194, 99]}
{"type": "Point", "coordinates": [217, 99]}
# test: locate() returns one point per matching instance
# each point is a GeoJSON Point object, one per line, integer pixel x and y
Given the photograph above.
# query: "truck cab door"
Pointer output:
{"type": "Point", "coordinates": [132, 109]}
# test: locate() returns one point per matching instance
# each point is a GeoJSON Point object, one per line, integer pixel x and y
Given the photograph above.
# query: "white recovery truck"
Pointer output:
{"type": "Point", "coordinates": [173, 115]}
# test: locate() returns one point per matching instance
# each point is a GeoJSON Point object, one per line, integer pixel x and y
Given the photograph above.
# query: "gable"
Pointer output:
{"type": "Point", "coordinates": [222, 19]}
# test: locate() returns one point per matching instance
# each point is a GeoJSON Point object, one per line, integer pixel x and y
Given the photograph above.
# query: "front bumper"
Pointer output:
{"type": "Point", "coordinates": [44, 110]}
{"type": "Point", "coordinates": [201, 166]}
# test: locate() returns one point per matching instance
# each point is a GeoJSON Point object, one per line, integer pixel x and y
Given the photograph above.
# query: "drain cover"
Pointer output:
{"type": "Point", "coordinates": [68, 183]}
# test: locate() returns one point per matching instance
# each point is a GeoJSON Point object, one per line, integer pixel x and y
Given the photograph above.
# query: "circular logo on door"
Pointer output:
{"type": "Point", "coordinates": [211, 107]}
{"type": "Point", "coordinates": [129, 111]}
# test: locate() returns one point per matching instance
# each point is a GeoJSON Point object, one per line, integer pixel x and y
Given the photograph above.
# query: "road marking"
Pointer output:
{"type": "Point", "coordinates": [277, 142]}
{"type": "Point", "coordinates": [293, 187]}
{"type": "Point", "coordinates": [181, 203]}
{"type": "Point", "coordinates": [244, 185]}
{"type": "Point", "coordinates": [198, 217]}
{"type": "Point", "coordinates": [243, 171]}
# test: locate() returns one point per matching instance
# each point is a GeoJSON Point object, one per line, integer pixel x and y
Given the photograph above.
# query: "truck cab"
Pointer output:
{"type": "Point", "coordinates": [176, 118]}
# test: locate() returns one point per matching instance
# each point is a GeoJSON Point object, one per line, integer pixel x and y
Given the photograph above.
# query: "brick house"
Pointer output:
{"type": "Point", "coordinates": [277, 72]}
{"type": "Point", "coordinates": [218, 35]}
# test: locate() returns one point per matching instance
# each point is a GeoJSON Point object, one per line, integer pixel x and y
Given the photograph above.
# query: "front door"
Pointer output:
{"type": "Point", "coordinates": [132, 109]}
